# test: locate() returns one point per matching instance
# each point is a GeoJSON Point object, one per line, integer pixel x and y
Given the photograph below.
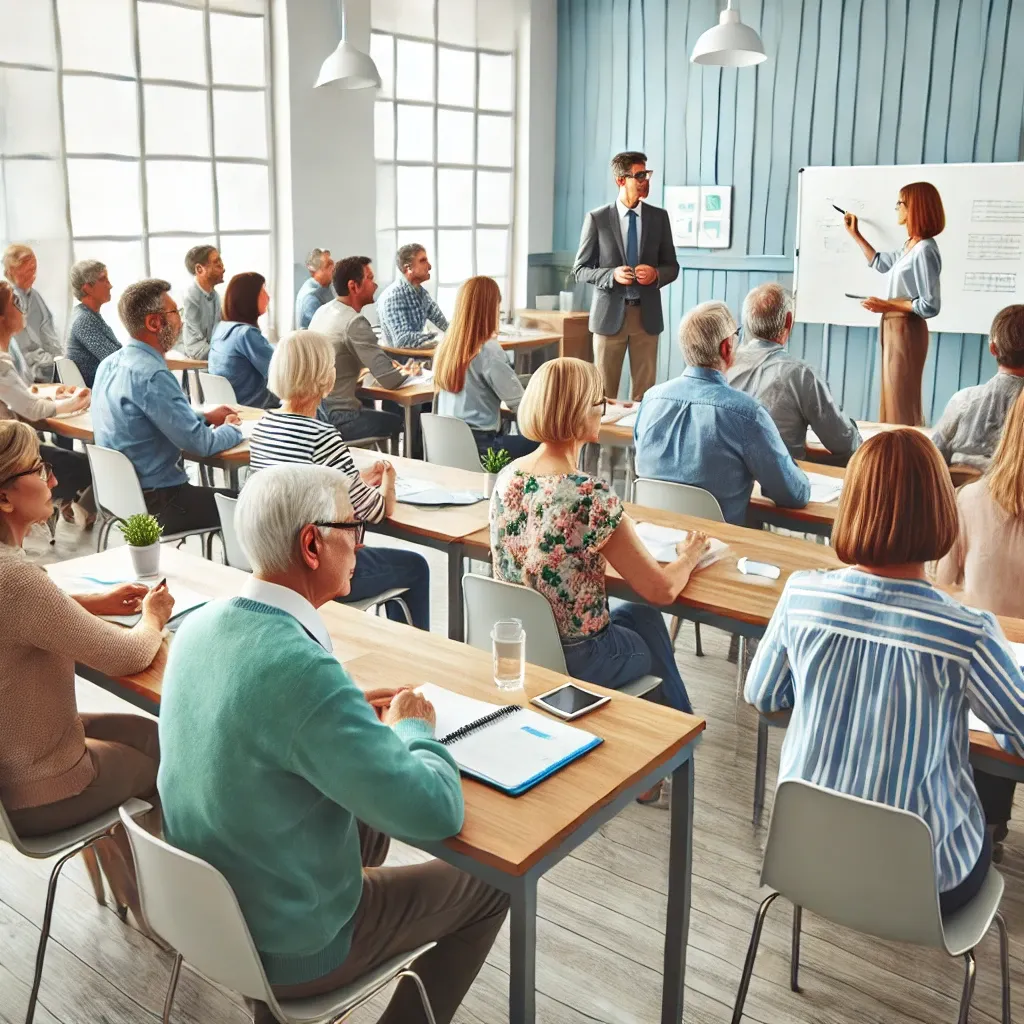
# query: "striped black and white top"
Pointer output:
{"type": "Point", "coordinates": [286, 437]}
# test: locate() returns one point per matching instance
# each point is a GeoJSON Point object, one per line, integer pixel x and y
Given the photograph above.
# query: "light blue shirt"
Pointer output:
{"type": "Point", "coordinates": [403, 310]}
{"type": "Point", "coordinates": [697, 430]}
{"type": "Point", "coordinates": [489, 382]}
{"type": "Point", "coordinates": [309, 298]}
{"type": "Point", "coordinates": [240, 353]}
{"type": "Point", "coordinates": [139, 409]}
{"type": "Point", "coordinates": [38, 341]}
{"type": "Point", "coordinates": [200, 314]}
{"type": "Point", "coordinates": [880, 674]}
{"type": "Point", "coordinates": [914, 274]}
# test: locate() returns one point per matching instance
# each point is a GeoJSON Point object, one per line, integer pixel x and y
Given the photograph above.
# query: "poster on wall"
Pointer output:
{"type": "Point", "coordinates": [701, 215]}
{"type": "Point", "coordinates": [682, 203]}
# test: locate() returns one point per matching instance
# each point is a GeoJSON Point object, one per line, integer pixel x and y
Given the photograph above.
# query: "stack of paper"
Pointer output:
{"type": "Point", "coordinates": [411, 491]}
{"type": "Point", "coordinates": [825, 488]}
{"type": "Point", "coordinates": [661, 542]}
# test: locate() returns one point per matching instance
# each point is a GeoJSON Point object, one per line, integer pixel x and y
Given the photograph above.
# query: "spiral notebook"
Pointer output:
{"type": "Point", "coordinates": [505, 745]}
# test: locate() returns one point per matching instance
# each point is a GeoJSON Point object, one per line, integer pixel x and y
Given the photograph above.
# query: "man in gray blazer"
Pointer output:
{"type": "Point", "coordinates": [626, 253]}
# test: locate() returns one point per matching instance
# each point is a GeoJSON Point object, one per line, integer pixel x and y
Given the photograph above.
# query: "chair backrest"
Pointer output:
{"type": "Point", "coordinates": [449, 442]}
{"type": "Point", "coordinates": [68, 372]}
{"type": "Point", "coordinates": [217, 390]}
{"type": "Point", "coordinates": [681, 498]}
{"type": "Point", "coordinates": [191, 906]}
{"type": "Point", "coordinates": [233, 550]}
{"type": "Point", "coordinates": [115, 485]}
{"type": "Point", "coordinates": [857, 863]}
{"type": "Point", "coordinates": [488, 600]}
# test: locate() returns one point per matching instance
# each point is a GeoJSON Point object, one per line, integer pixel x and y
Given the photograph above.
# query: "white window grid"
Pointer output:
{"type": "Point", "coordinates": [443, 285]}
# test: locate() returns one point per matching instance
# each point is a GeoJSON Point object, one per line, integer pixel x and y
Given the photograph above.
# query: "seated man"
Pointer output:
{"type": "Point", "coordinates": [276, 769]}
{"type": "Point", "coordinates": [792, 392]}
{"type": "Point", "coordinates": [138, 408]}
{"type": "Point", "coordinates": [200, 310]}
{"type": "Point", "coordinates": [972, 424]}
{"type": "Point", "coordinates": [316, 289]}
{"type": "Point", "coordinates": [37, 341]}
{"type": "Point", "coordinates": [90, 339]}
{"type": "Point", "coordinates": [405, 306]}
{"type": "Point", "coordinates": [697, 430]}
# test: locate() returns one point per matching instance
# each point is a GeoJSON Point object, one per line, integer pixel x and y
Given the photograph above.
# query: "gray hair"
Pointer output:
{"type": "Point", "coordinates": [15, 255]}
{"type": "Point", "coordinates": [622, 163]}
{"type": "Point", "coordinates": [302, 366]}
{"type": "Point", "coordinates": [406, 254]}
{"type": "Point", "coordinates": [765, 309]}
{"type": "Point", "coordinates": [275, 505]}
{"type": "Point", "coordinates": [139, 300]}
{"type": "Point", "coordinates": [85, 272]}
{"type": "Point", "coordinates": [702, 331]}
{"type": "Point", "coordinates": [314, 259]}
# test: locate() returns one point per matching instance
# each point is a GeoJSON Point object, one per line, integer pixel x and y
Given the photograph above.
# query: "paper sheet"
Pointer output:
{"type": "Point", "coordinates": [615, 413]}
{"type": "Point", "coordinates": [629, 420]}
{"type": "Point", "coordinates": [411, 491]}
{"type": "Point", "coordinates": [185, 600]}
{"type": "Point", "coordinates": [825, 488]}
{"type": "Point", "coordinates": [661, 542]}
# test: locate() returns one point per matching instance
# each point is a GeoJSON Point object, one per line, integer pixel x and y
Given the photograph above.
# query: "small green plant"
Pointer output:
{"type": "Point", "coordinates": [140, 530]}
{"type": "Point", "coordinates": [495, 461]}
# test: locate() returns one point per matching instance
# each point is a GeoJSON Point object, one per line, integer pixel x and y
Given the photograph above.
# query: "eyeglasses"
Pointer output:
{"type": "Point", "coordinates": [359, 528]}
{"type": "Point", "coordinates": [639, 176]}
{"type": "Point", "coordinates": [168, 312]}
{"type": "Point", "coordinates": [899, 203]}
{"type": "Point", "coordinates": [44, 471]}
{"type": "Point", "coordinates": [602, 405]}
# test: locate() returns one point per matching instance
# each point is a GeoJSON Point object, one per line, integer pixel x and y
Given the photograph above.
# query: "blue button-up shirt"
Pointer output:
{"type": "Point", "coordinates": [403, 311]}
{"type": "Point", "coordinates": [139, 409]}
{"type": "Point", "coordinates": [309, 298]}
{"type": "Point", "coordinates": [697, 430]}
{"type": "Point", "coordinates": [240, 353]}
{"type": "Point", "coordinates": [90, 341]}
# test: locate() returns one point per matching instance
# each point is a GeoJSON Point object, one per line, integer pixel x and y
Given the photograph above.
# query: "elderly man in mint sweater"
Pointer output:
{"type": "Point", "coordinates": [276, 769]}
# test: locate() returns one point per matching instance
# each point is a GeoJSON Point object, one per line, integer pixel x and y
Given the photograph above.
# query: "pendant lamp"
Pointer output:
{"type": "Point", "coordinates": [730, 44]}
{"type": "Point", "coordinates": [348, 67]}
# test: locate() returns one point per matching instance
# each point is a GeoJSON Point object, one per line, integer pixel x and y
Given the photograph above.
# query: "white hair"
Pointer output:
{"type": "Point", "coordinates": [764, 311]}
{"type": "Point", "coordinates": [85, 272]}
{"type": "Point", "coordinates": [275, 505]}
{"type": "Point", "coordinates": [702, 331]}
{"type": "Point", "coordinates": [302, 366]}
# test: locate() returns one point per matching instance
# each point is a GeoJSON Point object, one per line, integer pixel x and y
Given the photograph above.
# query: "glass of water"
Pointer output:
{"type": "Point", "coordinates": [508, 644]}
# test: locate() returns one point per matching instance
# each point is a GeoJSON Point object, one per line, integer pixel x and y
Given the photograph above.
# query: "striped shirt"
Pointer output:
{"type": "Point", "coordinates": [880, 674]}
{"type": "Point", "coordinates": [287, 437]}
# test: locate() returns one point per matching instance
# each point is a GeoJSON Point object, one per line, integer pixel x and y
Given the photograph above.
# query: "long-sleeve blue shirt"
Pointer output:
{"type": "Point", "coordinates": [914, 274]}
{"type": "Point", "coordinates": [309, 298]}
{"type": "Point", "coordinates": [90, 341]}
{"type": "Point", "coordinates": [697, 430]}
{"type": "Point", "coordinates": [240, 353]}
{"type": "Point", "coordinates": [403, 310]}
{"type": "Point", "coordinates": [139, 409]}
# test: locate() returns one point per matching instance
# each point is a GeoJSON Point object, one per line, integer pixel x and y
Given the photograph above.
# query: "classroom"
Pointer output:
{"type": "Point", "coordinates": [511, 511]}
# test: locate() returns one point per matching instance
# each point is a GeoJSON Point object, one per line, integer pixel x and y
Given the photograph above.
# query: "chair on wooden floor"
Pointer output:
{"type": "Point", "coordinates": [764, 723]}
{"type": "Point", "coordinates": [448, 441]}
{"type": "Point", "coordinates": [216, 390]}
{"type": "Point", "coordinates": [65, 844]}
{"type": "Point", "coordinates": [68, 372]}
{"type": "Point", "coordinates": [488, 600]}
{"type": "Point", "coordinates": [190, 905]}
{"type": "Point", "coordinates": [869, 867]}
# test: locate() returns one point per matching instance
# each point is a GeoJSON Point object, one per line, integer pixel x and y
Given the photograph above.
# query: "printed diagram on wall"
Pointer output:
{"type": "Point", "coordinates": [701, 215]}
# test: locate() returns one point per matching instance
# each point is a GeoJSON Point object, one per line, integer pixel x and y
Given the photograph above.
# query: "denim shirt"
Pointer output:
{"type": "Point", "coordinates": [239, 352]}
{"type": "Point", "coordinates": [139, 409]}
{"type": "Point", "coordinates": [309, 298]}
{"type": "Point", "coordinates": [697, 430]}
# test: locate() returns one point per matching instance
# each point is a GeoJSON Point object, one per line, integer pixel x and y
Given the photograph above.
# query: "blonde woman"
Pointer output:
{"type": "Point", "coordinates": [301, 374]}
{"type": "Point", "coordinates": [472, 373]}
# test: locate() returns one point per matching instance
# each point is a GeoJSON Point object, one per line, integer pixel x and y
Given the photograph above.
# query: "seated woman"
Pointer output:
{"type": "Point", "coordinates": [58, 768]}
{"type": "Point", "coordinates": [880, 667]}
{"type": "Point", "coordinates": [472, 373]}
{"type": "Point", "coordinates": [238, 350]}
{"type": "Point", "coordinates": [302, 373]}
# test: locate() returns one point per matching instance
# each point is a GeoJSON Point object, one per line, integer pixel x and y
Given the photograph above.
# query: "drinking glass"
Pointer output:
{"type": "Point", "coordinates": [508, 644]}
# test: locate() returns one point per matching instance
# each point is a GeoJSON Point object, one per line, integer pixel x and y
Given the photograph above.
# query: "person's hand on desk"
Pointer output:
{"type": "Point", "coordinates": [694, 547]}
{"type": "Point", "coordinates": [624, 275]}
{"type": "Point", "coordinates": [157, 606]}
{"type": "Point", "coordinates": [409, 704]}
{"type": "Point", "coordinates": [123, 600]}
{"type": "Point", "coordinates": [222, 414]}
{"type": "Point", "coordinates": [381, 698]}
{"type": "Point", "coordinates": [646, 274]}
{"type": "Point", "coordinates": [412, 368]}
{"type": "Point", "coordinates": [78, 401]}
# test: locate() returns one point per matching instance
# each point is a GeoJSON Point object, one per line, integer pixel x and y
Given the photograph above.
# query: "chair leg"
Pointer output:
{"type": "Point", "coordinates": [969, 973]}
{"type": "Point", "coordinates": [405, 609]}
{"type": "Point", "coordinates": [748, 964]}
{"type": "Point", "coordinates": [696, 637]}
{"type": "Point", "coordinates": [428, 1010]}
{"type": "Point", "coordinates": [794, 953]}
{"type": "Point", "coordinates": [1004, 965]}
{"type": "Point", "coordinates": [171, 989]}
{"type": "Point", "coordinates": [760, 769]}
{"type": "Point", "coordinates": [95, 875]}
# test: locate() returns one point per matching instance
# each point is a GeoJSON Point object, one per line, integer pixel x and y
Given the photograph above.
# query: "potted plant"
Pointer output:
{"type": "Point", "coordinates": [141, 533]}
{"type": "Point", "coordinates": [492, 463]}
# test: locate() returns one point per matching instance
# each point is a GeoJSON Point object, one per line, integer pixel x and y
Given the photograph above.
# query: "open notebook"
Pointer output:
{"type": "Point", "coordinates": [976, 724]}
{"type": "Point", "coordinates": [504, 745]}
{"type": "Point", "coordinates": [661, 542]}
{"type": "Point", "coordinates": [411, 491]}
{"type": "Point", "coordinates": [185, 600]}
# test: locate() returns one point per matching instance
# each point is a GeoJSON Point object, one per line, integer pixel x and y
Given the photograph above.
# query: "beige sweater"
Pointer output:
{"type": "Point", "coordinates": [43, 632]}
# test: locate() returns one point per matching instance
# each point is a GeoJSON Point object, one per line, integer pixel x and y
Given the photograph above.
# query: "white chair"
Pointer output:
{"type": "Point", "coordinates": [870, 867]}
{"type": "Point", "coordinates": [216, 390]}
{"type": "Point", "coordinates": [449, 442]}
{"type": "Point", "coordinates": [236, 557]}
{"type": "Point", "coordinates": [68, 372]}
{"type": "Point", "coordinates": [764, 723]}
{"type": "Point", "coordinates": [65, 844]}
{"type": "Point", "coordinates": [488, 600]}
{"type": "Point", "coordinates": [190, 905]}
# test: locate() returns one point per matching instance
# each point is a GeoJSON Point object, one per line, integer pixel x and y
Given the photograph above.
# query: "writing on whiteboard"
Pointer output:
{"type": "Point", "coordinates": [997, 209]}
{"type": "Point", "coordinates": [994, 247]}
{"type": "Point", "coordinates": [980, 282]}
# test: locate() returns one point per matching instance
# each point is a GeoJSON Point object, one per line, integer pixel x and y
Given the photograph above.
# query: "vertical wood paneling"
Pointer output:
{"type": "Point", "coordinates": [846, 82]}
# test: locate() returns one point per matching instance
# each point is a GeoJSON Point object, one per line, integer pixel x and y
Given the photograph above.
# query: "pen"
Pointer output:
{"type": "Point", "coordinates": [162, 583]}
{"type": "Point", "coordinates": [834, 207]}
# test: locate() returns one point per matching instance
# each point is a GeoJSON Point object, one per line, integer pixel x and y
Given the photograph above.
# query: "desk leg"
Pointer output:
{"type": "Point", "coordinates": [677, 917]}
{"type": "Point", "coordinates": [522, 980]}
{"type": "Point", "coordinates": [456, 617]}
{"type": "Point", "coordinates": [407, 444]}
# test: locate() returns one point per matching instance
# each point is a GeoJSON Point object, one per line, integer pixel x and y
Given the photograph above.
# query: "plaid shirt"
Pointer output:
{"type": "Point", "coordinates": [403, 310]}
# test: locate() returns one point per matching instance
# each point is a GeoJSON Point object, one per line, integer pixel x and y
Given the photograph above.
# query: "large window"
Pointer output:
{"type": "Point", "coordinates": [131, 130]}
{"type": "Point", "coordinates": [444, 140]}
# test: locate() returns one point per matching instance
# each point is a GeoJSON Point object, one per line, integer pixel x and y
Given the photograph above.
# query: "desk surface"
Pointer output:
{"type": "Point", "coordinates": [179, 361]}
{"type": "Point", "coordinates": [509, 833]}
{"type": "Point", "coordinates": [522, 342]}
{"type": "Point", "coordinates": [813, 511]}
{"type": "Point", "coordinates": [411, 394]}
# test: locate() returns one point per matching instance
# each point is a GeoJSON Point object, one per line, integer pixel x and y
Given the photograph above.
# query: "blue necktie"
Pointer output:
{"type": "Point", "coordinates": [632, 251]}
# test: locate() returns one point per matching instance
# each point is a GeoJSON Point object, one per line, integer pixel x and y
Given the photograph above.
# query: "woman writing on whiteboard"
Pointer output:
{"type": "Point", "coordinates": [913, 298]}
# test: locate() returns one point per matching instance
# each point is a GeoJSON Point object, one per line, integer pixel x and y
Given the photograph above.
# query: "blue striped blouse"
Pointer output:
{"type": "Point", "coordinates": [880, 673]}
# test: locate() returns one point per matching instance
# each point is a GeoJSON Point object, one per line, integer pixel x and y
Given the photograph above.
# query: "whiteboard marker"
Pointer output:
{"type": "Point", "coordinates": [834, 207]}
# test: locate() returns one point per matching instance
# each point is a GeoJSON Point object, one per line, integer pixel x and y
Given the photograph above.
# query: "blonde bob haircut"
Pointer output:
{"type": "Point", "coordinates": [558, 400]}
{"type": "Point", "coordinates": [897, 505]}
{"type": "Point", "coordinates": [302, 366]}
{"type": "Point", "coordinates": [1006, 473]}
{"type": "Point", "coordinates": [19, 450]}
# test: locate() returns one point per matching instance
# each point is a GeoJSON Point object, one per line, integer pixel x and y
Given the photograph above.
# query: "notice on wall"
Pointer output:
{"type": "Point", "coordinates": [683, 205]}
{"type": "Point", "coordinates": [701, 215]}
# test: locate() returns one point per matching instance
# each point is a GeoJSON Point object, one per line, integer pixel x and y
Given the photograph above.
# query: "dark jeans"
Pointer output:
{"type": "Point", "coordinates": [380, 569]}
{"type": "Point", "coordinates": [996, 796]}
{"type": "Point", "coordinates": [635, 644]}
{"type": "Point", "coordinates": [515, 444]}
{"type": "Point", "coordinates": [185, 508]}
{"type": "Point", "coordinates": [355, 424]}
{"type": "Point", "coordinates": [961, 895]}
{"type": "Point", "coordinates": [71, 470]}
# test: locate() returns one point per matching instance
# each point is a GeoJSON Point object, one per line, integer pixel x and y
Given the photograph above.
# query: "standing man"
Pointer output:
{"type": "Point", "coordinates": [316, 289]}
{"type": "Point", "coordinates": [201, 308]}
{"type": "Point", "coordinates": [37, 342]}
{"type": "Point", "coordinates": [90, 339]}
{"type": "Point", "coordinates": [626, 253]}
{"type": "Point", "coordinates": [405, 305]}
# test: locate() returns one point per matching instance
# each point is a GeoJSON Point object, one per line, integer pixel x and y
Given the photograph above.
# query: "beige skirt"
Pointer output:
{"type": "Point", "coordinates": [904, 338]}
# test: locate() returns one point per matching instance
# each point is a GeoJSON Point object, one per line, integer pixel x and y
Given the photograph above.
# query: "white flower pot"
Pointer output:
{"type": "Point", "coordinates": [146, 559]}
{"type": "Point", "coordinates": [489, 479]}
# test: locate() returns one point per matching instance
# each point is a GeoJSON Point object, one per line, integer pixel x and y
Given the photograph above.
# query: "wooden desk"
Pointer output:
{"type": "Point", "coordinates": [573, 330]}
{"type": "Point", "coordinates": [815, 517]}
{"type": "Point", "coordinates": [508, 842]}
{"type": "Point", "coordinates": [409, 397]}
{"type": "Point", "coordinates": [179, 362]}
{"type": "Point", "coordinates": [519, 344]}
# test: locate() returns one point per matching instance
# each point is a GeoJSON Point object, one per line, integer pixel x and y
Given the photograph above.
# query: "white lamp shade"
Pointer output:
{"type": "Point", "coordinates": [349, 68]}
{"type": "Point", "coordinates": [730, 44]}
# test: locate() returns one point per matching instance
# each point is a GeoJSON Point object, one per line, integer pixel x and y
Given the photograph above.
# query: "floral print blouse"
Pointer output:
{"type": "Point", "coordinates": [546, 534]}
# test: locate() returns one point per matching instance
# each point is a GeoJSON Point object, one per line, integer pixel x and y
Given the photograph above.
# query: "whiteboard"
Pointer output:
{"type": "Point", "coordinates": [982, 246]}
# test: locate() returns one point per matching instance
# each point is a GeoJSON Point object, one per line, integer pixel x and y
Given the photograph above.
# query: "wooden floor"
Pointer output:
{"type": "Point", "coordinates": [599, 936]}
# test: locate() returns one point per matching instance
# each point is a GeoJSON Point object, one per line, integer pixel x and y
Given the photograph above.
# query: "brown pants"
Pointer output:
{"type": "Point", "coordinates": [904, 338]}
{"type": "Point", "coordinates": [405, 907]}
{"type": "Point", "coordinates": [610, 349]}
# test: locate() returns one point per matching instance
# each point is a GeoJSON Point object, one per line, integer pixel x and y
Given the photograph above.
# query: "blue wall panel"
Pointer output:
{"type": "Point", "coordinates": [846, 82]}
